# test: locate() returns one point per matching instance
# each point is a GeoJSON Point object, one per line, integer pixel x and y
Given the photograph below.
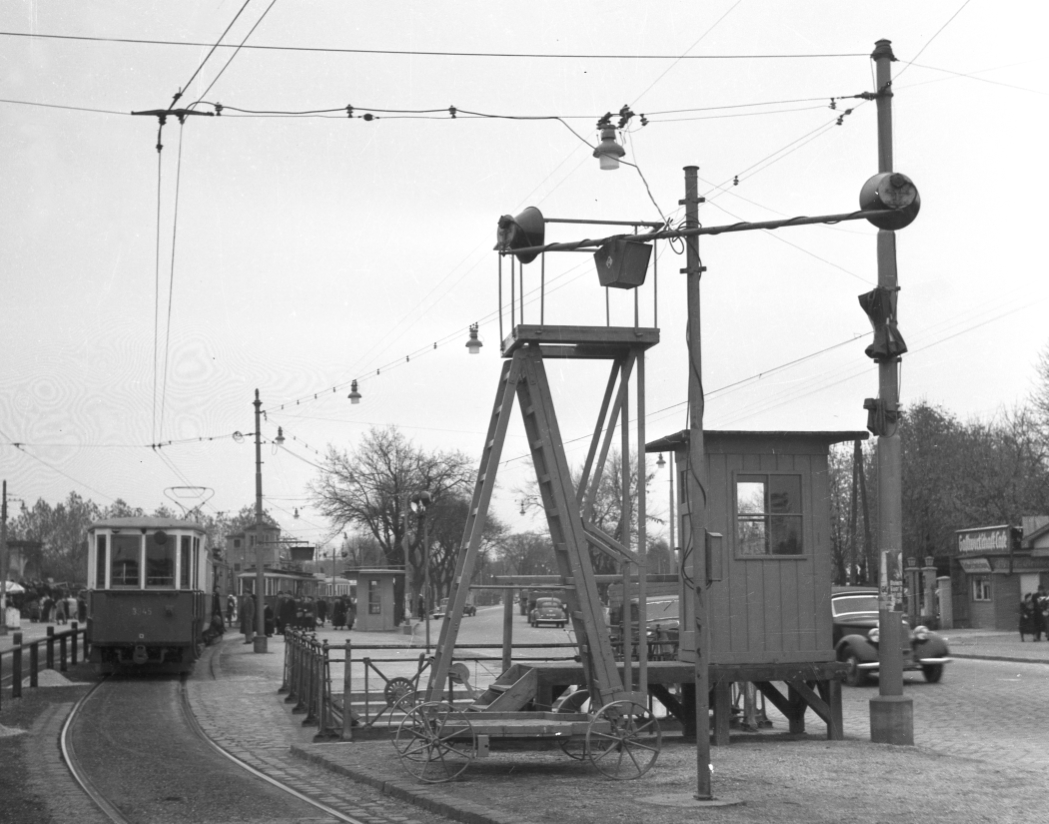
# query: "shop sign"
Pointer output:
{"type": "Point", "coordinates": [989, 539]}
{"type": "Point", "coordinates": [975, 565]}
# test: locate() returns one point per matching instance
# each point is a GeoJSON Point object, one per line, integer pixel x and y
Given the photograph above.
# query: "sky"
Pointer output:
{"type": "Point", "coordinates": [147, 296]}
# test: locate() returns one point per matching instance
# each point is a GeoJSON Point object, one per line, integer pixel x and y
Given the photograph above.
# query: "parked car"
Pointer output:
{"type": "Point", "coordinates": [662, 627]}
{"type": "Point", "coordinates": [856, 634]}
{"type": "Point", "coordinates": [548, 611]}
{"type": "Point", "coordinates": [442, 608]}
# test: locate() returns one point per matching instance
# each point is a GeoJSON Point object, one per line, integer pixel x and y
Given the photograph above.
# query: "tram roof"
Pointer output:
{"type": "Point", "coordinates": [146, 523]}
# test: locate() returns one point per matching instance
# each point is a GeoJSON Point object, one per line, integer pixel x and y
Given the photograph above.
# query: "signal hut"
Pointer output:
{"type": "Point", "coordinates": [768, 509]}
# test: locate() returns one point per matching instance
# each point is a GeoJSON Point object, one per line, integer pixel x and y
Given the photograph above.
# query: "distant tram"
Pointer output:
{"type": "Point", "coordinates": [148, 585]}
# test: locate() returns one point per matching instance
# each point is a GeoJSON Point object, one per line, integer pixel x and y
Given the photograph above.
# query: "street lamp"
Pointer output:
{"type": "Point", "coordinates": [474, 344]}
{"type": "Point", "coordinates": [608, 151]}
{"type": "Point", "coordinates": [354, 396]}
{"type": "Point", "coordinates": [420, 503]}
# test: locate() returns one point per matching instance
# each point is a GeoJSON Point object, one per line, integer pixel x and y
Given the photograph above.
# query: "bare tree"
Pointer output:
{"type": "Point", "coordinates": [371, 487]}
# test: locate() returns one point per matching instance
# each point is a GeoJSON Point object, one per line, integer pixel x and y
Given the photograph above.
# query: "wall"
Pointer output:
{"type": "Point", "coordinates": [775, 608]}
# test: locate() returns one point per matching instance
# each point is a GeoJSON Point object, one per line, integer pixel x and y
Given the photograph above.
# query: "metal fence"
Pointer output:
{"type": "Point", "coordinates": [387, 687]}
{"type": "Point", "coordinates": [68, 653]}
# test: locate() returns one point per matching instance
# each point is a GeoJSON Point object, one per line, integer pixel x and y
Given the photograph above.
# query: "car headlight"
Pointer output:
{"type": "Point", "coordinates": [874, 635]}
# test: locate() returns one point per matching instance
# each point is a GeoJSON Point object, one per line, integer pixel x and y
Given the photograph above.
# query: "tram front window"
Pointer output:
{"type": "Point", "coordinates": [124, 569]}
{"type": "Point", "coordinates": [160, 560]}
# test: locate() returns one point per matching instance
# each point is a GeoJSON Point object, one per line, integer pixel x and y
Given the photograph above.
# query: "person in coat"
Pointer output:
{"type": "Point", "coordinates": [322, 611]}
{"type": "Point", "coordinates": [287, 613]}
{"type": "Point", "coordinates": [1027, 616]}
{"type": "Point", "coordinates": [338, 613]}
{"type": "Point", "coordinates": [247, 616]}
{"type": "Point", "coordinates": [267, 612]}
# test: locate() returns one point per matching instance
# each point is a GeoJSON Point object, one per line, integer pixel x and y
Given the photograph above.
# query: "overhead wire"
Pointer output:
{"type": "Point", "coordinates": [421, 53]}
{"type": "Point", "coordinates": [171, 283]}
{"type": "Point", "coordinates": [237, 50]}
{"type": "Point", "coordinates": [211, 51]}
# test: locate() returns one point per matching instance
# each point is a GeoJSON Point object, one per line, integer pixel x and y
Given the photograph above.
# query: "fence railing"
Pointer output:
{"type": "Point", "coordinates": [68, 649]}
{"type": "Point", "coordinates": [337, 714]}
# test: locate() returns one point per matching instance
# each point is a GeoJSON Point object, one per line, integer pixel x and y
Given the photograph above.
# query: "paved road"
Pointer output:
{"type": "Point", "coordinates": [989, 710]}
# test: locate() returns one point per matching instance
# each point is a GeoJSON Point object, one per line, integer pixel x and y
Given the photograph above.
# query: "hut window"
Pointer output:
{"type": "Point", "coordinates": [981, 589]}
{"type": "Point", "coordinates": [374, 598]}
{"type": "Point", "coordinates": [768, 515]}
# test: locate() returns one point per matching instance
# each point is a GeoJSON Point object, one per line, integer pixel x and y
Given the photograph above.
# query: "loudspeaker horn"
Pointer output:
{"type": "Point", "coordinates": [527, 229]}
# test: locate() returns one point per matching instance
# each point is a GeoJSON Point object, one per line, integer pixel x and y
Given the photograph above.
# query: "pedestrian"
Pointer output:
{"type": "Point", "coordinates": [231, 609]}
{"type": "Point", "coordinates": [1039, 608]}
{"type": "Point", "coordinates": [34, 610]}
{"type": "Point", "coordinates": [60, 609]}
{"type": "Point", "coordinates": [45, 608]}
{"type": "Point", "coordinates": [287, 613]}
{"type": "Point", "coordinates": [322, 611]}
{"type": "Point", "coordinates": [72, 608]}
{"type": "Point", "coordinates": [81, 608]}
{"type": "Point", "coordinates": [1026, 616]}
{"type": "Point", "coordinates": [338, 613]}
{"type": "Point", "coordinates": [351, 614]}
{"type": "Point", "coordinates": [247, 616]}
{"type": "Point", "coordinates": [268, 622]}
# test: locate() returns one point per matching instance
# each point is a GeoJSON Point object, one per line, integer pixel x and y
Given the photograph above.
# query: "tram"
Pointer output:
{"type": "Point", "coordinates": [147, 603]}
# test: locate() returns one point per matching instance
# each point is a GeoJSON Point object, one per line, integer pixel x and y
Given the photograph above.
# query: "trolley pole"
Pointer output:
{"type": "Point", "coordinates": [892, 714]}
{"type": "Point", "coordinates": [697, 484]}
{"type": "Point", "coordinates": [260, 578]}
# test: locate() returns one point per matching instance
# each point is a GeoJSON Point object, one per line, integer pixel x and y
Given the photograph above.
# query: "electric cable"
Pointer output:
{"type": "Point", "coordinates": [237, 50]}
{"type": "Point", "coordinates": [171, 283]}
{"type": "Point", "coordinates": [211, 51]}
{"type": "Point", "coordinates": [419, 53]}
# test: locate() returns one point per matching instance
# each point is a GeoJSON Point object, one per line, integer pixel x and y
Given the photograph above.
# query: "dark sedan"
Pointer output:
{"type": "Point", "coordinates": [856, 634]}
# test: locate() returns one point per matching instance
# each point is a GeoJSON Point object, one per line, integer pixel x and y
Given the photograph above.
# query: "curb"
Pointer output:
{"type": "Point", "coordinates": [1007, 658]}
{"type": "Point", "coordinates": [421, 796]}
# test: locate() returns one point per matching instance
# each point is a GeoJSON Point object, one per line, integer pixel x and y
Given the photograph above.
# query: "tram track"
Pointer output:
{"type": "Point", "coordinates": [84, 771]}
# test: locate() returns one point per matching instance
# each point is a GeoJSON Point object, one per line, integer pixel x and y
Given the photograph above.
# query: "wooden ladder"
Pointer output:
{"type": "Point", "coordinates": [525, 374]}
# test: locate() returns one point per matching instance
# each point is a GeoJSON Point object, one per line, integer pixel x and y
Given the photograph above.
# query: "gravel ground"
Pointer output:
{"type": "Point", "coordinates": [778, 780]}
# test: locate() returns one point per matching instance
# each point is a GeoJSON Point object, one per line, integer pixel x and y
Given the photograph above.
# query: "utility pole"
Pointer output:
{"type": "Point", "coordinates": [260, 578]}
{"type": "Point", "coordinates": [892, 714]}
{"type": "Point", "coordinates": [697, 485]}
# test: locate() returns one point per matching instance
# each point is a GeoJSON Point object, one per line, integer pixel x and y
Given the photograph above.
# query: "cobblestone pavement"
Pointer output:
{"type": "Point", "coordinates": [233, 695]}
{"type": "Point", "coordinates": [983, 709]}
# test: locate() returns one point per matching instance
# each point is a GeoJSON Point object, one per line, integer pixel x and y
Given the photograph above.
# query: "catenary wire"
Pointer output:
{"type": "Point", "coordinates": [420, 53]}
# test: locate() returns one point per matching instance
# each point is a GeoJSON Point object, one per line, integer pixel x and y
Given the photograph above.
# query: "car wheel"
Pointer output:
{"type": "Point", "coordinates": [933, 673]}
{"type": "Point", "coordinates": [854, 676]}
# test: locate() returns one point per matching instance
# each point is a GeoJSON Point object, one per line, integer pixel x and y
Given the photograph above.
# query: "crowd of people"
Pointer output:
{"type": "Point", "coordinates": [45, 604]}
{"type": "Point", "coordinates": [297, 613]}
{"type": "Point", "coordinates": [1034, 615]}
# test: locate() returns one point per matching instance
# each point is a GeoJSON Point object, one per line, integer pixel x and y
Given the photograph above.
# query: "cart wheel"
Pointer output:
{"type": "Point", "coordinates": [435, 742]}
{"type": "Point", "coordinates": [623, 740]}
{"type": "Point", "coordinates": [396, 689]}
{"type": "Point", "coordinates": [402, 707]}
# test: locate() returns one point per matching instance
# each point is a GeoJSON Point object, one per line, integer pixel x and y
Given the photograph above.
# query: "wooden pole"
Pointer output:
{"type": "Point", "coordinates": [697, 484]}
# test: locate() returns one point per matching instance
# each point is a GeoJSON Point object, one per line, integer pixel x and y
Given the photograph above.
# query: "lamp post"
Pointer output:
{"type": "Point", "coordinates": [420, 503]}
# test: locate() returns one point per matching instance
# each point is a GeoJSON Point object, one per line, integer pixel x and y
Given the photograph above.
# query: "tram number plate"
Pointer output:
{"type": "Point", "coordinates": [141, 610]}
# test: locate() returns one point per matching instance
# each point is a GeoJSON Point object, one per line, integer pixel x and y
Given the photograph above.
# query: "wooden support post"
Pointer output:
{"type": "Point", "coordinates": [508, 627]}
{"type": "Point", "coordinates": [722, 712]}
{"type": "Point", "coordinates": [16, 665]}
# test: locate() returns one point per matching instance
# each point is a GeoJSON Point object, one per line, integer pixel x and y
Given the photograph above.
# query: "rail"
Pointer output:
{"type": "Point", "coordinates": [338, 715]}
{"type": "Point", "coordinates": [67, 641]}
